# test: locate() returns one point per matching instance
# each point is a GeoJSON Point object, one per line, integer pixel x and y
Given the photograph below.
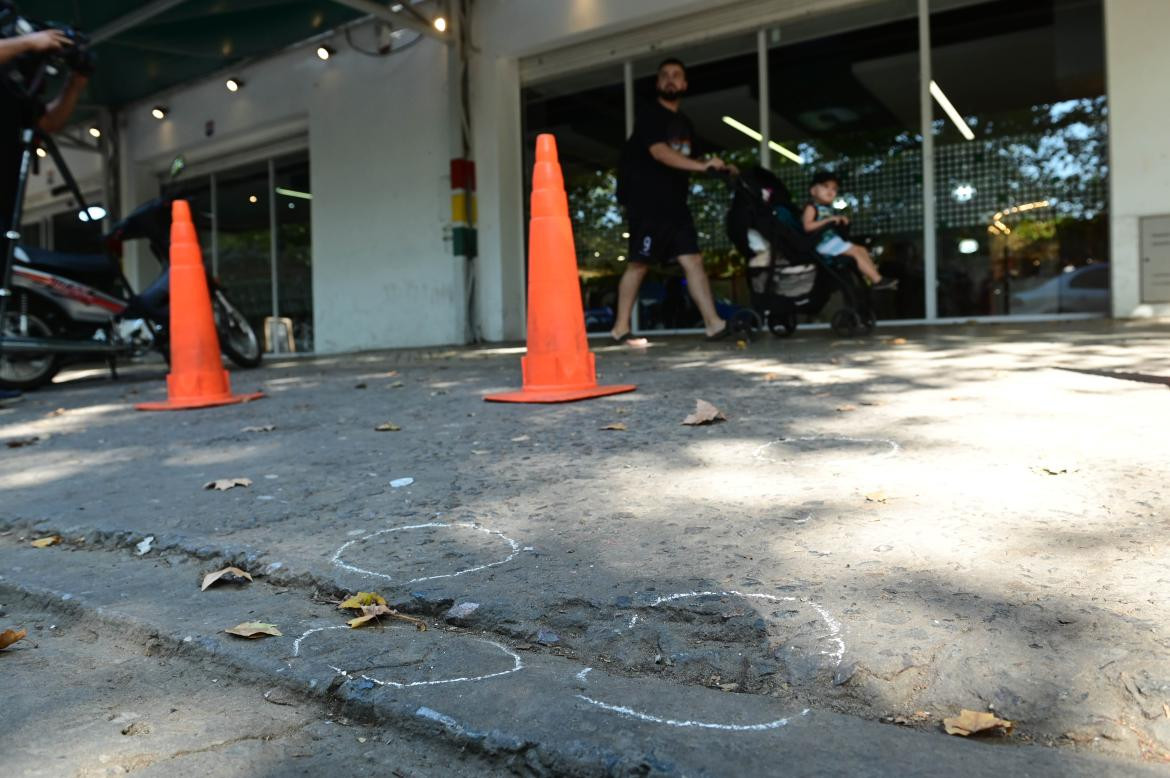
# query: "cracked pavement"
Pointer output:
{"type": "Point", "coordinates": [884, 531]}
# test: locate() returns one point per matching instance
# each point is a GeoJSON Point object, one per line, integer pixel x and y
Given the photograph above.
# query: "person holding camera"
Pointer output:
{"type": "Point", "coordinates": [18, 112]}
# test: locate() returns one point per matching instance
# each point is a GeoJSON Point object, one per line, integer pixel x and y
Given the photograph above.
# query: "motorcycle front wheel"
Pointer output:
{"type": "Point", "coordinates": [27, 371]}
{"type": "Point", "coordinates": [237, 339]}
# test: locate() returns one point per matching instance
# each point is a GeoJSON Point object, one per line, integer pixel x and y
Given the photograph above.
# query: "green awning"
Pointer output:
{"type": "Point", "coordinates": [190, 40]}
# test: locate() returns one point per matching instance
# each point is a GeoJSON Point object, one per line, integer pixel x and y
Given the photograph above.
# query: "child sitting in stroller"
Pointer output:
{"type": "Point", "coordinates": [819, 219]}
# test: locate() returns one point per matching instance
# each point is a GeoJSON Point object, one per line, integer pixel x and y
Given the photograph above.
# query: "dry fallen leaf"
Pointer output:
{"type": "Point", "coordinates": [741, 344]}
{"type": "Point", "coordinates": [223, 484]}
{"type": "Point", "coordinates": [254, 629]}
{"type": "Point", "coordinates": [211, 578]}
{"type": "Point", "coordinates": [45, 542]}
{"type": "Point", "coordinates": [58, 412]}
{"type": "Point", "coordinates": [10, 636]}
{"type": "Point", "coordinates": [876, 497]}
{"type": "Point", "coordinates": [387, 427]}
{"type": "Point", "coordinates": [21, 443]}
{"type": "Point", "coordinates": [897, 341]}
{"type": "Point", "coordinates": [361, 600]}
{"type": "Point", "coordinates": [705, 413]}
{"type": "Point", "coordinates": [615, 426]}
{"type": "Point", "coordinates": [397, 385]}
{"type": "Point", "coordinates": [371, 612]}
{"type": "Point", "coordinates": [970, 722]}
{"type": "Point", "coordinates": [261, 428]}
{"type": "Point", "coordinates": [771, 376]}
{"type": "Point", "coordinates": [846, 408]}
{"type": "Point", "coordinates": [1052, 469]}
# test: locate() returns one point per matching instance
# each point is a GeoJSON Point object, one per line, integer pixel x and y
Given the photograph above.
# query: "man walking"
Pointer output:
{"type": "Point", "coordinates": [653, 185]}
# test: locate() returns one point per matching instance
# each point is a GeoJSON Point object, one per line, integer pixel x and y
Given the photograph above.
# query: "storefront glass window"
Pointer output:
{"type": "Point", "coordinates": [843, 94]}
{"type": "Point", "coordinates": [1021, 158]}
{"type": "Point", "coordinates": [586, 113]}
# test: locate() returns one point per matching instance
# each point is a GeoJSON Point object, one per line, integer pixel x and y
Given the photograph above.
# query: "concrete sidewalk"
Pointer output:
{"type": "Point", "coordinates": [883, 532]}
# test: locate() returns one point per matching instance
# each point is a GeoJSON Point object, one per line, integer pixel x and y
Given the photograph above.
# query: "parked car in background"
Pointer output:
{"type": "Point", "coordinates": [1081, 290]}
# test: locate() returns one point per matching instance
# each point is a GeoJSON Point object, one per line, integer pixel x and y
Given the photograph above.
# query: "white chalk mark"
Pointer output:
{"type": "Point", "coordinates": [581, 675]}
{"type": "Point", "coordinates": [441, 718]}
{"type": "Point", "coordinates": [631, 713]}
{"type": "Point", "coordinates": [834, 626]}
{"type": "Point", "coordinates": [337, 560]}
{"type": "Point", "coordinates": [893, 447]}
{"type": "Point", "coordinates": [518, 664]}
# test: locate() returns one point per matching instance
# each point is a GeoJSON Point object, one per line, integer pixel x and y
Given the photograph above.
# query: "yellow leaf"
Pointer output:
{"type": "Point", "coordinates": [387, 427]}
{"type": "Point", "coordinates": [45, 542]}
{"type": "Point", "coordinates": [970, 722]}
{"type": "Point", "coordinates": [741, 344]}
{"type": "Point", "coordinates": [371, 612]}
{"type": "Point", "coordinates": [223, 484]}
{"type": "Point", "coordinates": [615, 426]}
{"type": "Point", "coordinates": [10, 636]}
{"type": "Point", "coordinates": [254, 629]}
{"type": "Point", "coordinates": [211, 578]}
{"type": "Point", "coordinates": [361, 600]}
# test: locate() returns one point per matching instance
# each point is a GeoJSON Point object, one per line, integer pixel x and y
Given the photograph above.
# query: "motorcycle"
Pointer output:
{"type": "Point", "coordinates": [72, 307]}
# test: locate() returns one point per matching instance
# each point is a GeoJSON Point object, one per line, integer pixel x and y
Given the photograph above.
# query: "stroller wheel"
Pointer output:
{"type": "Point", "coordinates": [846, 323]}
{"type": "Point", "coordinates": [868, 322]}
{"type": "Point", "coordinates": [782, 324]}
{"type": "Point", "coordinates": [745, 323]}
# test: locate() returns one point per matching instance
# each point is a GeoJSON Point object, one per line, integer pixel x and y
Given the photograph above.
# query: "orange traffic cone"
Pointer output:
{"type": "Point", "coordinates": [559, 366]}
{"type": "Point", "coordinates": [197, 378]}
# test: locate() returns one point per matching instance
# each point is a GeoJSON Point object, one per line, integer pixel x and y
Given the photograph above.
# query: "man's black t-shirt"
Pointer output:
{"type": "Point", "coordinates": [647, 188]}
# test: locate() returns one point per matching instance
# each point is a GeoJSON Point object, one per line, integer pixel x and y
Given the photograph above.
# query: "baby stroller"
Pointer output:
{"type": "Point", "coordinates": [786, 275]}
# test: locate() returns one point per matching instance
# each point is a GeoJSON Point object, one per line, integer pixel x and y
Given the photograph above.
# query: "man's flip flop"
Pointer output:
{"type": "Point", "coordinates": [723, 333]}
{"type": "Point", "coordinates": [627, 337]}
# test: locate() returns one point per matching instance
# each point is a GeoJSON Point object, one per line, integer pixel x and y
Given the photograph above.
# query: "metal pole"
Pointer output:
{"type": "Point", "coordinates": [765, 98]}
{"type": "Point", "coordinates": [272, 247]}
{"type": "Point", "coordinates": [214, 225]}
{"type": "Point", "coordinates": [628, 91]}
{"type": "Point", "coordinates": [926, 109]}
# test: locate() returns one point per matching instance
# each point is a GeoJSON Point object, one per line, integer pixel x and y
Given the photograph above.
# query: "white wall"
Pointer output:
{"type": "Point", "coordinates": [1137, 61]}
{"type": "Point", "coordinates": [377, 132]}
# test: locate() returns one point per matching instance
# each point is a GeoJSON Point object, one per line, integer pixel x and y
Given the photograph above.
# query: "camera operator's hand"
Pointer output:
{"type": "Point", "coordinates": [46, 41]}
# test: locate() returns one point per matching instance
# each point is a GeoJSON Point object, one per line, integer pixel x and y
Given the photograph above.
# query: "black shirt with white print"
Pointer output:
{"type": "Point", "coordinates": [647, 188]}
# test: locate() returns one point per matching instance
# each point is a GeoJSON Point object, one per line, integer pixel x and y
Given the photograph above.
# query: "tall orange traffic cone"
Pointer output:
{"type": "Point", "coordinates": [197, 378]}
{"type": "Point", "coordinates": [559, 366]}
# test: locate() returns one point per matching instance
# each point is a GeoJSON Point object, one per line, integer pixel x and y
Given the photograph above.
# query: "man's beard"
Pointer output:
{"type": "Point", "coordinates": [670, 93]}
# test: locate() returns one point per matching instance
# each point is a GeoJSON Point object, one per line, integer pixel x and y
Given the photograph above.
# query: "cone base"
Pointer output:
{"type": "Point", "coordinates": [558, 395]}
{"type": "Point", "coordinates": [189, 403]}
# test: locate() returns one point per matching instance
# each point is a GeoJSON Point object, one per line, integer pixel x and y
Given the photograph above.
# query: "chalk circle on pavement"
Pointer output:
{"type": "Point", "coordinates": [403, 658]}
{"type": "Point", "coordinates": [828, 638]}
{"type": "Point", "coordinates": [822, 450]}
{"type": "Point", "coordinates": [437, 541]}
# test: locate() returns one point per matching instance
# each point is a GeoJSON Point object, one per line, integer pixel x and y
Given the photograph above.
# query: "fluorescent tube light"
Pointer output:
{"type": "Point", "coordinates": [756, 136]}
{"type": "Point", "coordinates": [938, 94]}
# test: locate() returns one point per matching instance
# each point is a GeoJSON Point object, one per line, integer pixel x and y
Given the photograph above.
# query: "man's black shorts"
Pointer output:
{"type": "Point", "coordinates": [657, 241]}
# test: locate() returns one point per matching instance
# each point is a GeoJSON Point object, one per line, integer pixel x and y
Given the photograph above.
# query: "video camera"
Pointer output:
{"type": "Point", "coordinates": [78, 57]}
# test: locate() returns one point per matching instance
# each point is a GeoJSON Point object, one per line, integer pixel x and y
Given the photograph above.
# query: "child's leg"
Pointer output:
{"type": "Point", "coordinates": [865, 263]}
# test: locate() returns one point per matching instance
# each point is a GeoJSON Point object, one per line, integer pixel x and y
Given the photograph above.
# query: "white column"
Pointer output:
{"type": "Point", "coordinates": [765, 101]}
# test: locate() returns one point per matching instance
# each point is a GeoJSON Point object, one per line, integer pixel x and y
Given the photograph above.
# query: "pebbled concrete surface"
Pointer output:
{"type": "Point", "coordinates": [890, 528]}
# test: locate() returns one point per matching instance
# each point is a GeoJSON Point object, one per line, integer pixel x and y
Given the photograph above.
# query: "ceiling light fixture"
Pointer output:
{"type": "Point", "coordinates": [159, 112]}
{"type": "Point", "coordinates": [755, 135]}
{"type": "Point", "coordinates": [95, 132]}
{"type": "Point", "coordinates": [325, 52]}
{"type": "Point", "coordinates": [42, 153]}
{"type": "Point", "coordinates": [280, 190]}
{"type": "Point", "coordinates": [440, 24]}
{"type": "Point", "coordinates": [937, 92]}
{"type": "Point", "coordinates": [233, 84]}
